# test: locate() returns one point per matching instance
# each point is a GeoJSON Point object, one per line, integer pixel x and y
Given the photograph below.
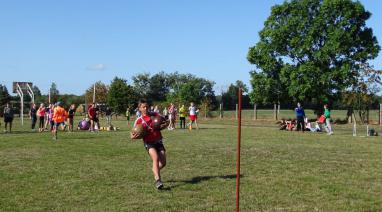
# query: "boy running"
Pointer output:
{"type": "Point", "coordinates": [152, 141]}
{"type": "Point", "coordinates": [59, 117]}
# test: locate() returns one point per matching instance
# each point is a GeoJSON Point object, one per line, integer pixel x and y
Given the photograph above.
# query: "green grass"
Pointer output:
{"type": "Point", "coordinates": [106, 171]}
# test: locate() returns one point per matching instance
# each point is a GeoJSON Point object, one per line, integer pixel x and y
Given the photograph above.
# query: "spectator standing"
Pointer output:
{"type": "Point", "coordinates": [182, 117]}
{"type": "Point", "coordinates": [71, 113]}
{"type": "Point", "coordinates": [8, 118]}
{"type": "Point", "coordinates": [108, 114]}
{"type": "Point", "coordinates": [41, 114]}
{"type": "Point", "coordinates": [328, 126]}
{"type": "Point", "coordinates": [300, 116]}
{"type": "Point", "coordinates": [33, 116]}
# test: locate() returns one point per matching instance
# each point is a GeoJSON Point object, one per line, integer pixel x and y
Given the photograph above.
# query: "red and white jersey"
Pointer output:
{"type": "Point", "coordinates": [192, 110]}
{"type": "Point", "coordinates": [151, 134]}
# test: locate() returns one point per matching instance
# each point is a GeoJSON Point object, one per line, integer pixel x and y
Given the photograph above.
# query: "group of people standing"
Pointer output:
{"type": "Point", "coordinates": [170, 113]}
{"type": "Point", "coordinates": [302, 122]}
{"type": "Point", "coordinates": [52, 116]}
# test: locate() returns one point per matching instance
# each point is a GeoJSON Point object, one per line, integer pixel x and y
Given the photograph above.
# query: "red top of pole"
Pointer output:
{"type": "Point", "coordinates": [238, 152]}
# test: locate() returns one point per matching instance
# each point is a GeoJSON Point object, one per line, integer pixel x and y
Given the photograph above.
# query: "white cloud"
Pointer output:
{"type": "Point", "coordinates": [97, 67]}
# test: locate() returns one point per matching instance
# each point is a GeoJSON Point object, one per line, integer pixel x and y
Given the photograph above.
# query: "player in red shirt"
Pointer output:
{"type": "Point", "coordinates": [152, 141]}
{"type": "Point", "coordinates": [92, 113]}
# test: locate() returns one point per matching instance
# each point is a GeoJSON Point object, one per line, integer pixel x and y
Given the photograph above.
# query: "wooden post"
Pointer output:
{"type": "Point", "coordinates": [380, 114]}
{"type": "Point", "coordinates": [255, 112]}
{"type": "Point", "coordinates": [94, 91]}
{"type": "Point", "coordinates": [205, 113]}
{"type": "Point", "coordinates": [221, 110]}
{"type": "Point", "coordinates": [236, 112]}
{"type": "Point", "coordinates": [238, 153]}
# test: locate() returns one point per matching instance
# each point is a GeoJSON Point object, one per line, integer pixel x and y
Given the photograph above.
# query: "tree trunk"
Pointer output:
{"type": "Point", "coordinates": [350, 115]}
{"type": "Point", "coordinates": [275, 111]}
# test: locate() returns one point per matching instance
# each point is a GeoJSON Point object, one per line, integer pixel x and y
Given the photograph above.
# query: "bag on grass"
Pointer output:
{"type": "Point", "coordinates": [321, 119]}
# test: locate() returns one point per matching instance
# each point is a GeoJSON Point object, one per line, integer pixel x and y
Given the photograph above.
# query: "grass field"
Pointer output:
{"type": "Point", "coordinates": [106, 171]}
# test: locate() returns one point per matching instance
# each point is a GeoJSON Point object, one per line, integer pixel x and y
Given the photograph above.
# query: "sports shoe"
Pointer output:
{"type": "Point", "coordinates": [158, 184]}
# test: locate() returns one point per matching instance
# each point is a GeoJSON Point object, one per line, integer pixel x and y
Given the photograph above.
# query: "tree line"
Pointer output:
{"type": "Point", "coordinates": [160, 89]}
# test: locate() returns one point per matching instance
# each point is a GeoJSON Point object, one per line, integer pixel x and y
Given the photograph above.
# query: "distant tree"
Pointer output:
{"type": "Point", "coordinates": [158, 87]}
{"type": "Point", "coordinates": [54, 93]}
{"type": "Point", "coordinates": [69, 99]}
{"type": "Point", "coordinates": [197, 90]}
{"type": "Point", "coordinates": [38, 98]}
{"type": "Point", "coordinates": [121, 95]}
{"type": "Point", "coordinates": [141, 83]}
{"type": "Point", "coordinates": [4, 96]}
{"type": "Point", "coordinates": [101, 91]}
{"type": "Point", "coordinates": [309, 50]}
{"type": "Point", "coordinates": [362, 94]}
{"type": "Point", "coordinates": [230, 97]}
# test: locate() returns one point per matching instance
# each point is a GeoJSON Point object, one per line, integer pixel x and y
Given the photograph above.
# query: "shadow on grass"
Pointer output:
{"type": "Point", "coordinates": [18, 132]}
{"type": "Point", "coordinates": [198, 179]}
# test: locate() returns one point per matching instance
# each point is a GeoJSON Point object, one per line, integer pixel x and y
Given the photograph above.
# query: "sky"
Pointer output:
{"type": "Point", "coordinates": [75, 43]}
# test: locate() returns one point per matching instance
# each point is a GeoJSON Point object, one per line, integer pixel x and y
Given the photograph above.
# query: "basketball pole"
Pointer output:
{"type": "Point", "coordinates": [20, 93]}
{"type": "Point", "coordinates": [238, 152]}
{"type": "Point", "coordinates": [94, 93]}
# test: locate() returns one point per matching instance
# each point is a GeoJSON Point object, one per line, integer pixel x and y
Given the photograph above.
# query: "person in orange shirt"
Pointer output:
{"type": "Point", "coordinates": [59, 117]}
{"type": "Point", "coordinates": [41, 115]}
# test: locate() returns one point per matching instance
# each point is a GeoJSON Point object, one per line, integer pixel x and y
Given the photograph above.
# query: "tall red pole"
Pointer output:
{"type": "Point", "coordinates": [238, 152]}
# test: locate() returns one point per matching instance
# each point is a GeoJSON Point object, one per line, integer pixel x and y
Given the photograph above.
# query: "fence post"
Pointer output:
{"type": "Point", "coordinates": [380, 114]}
{"type": "Point", "coordinates": [255, 112]}
{"type": "Point", "coordinates": [221, 110]}
{"type": "Point", "coordinates": [205, 113]}
{"type": "Point", "coordinates": [236, 112]}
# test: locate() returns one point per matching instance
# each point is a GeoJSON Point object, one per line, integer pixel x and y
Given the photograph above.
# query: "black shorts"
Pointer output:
{"type": "Point", "coordinates": [8, 119]}
{"type": "Point", "coordinates": [157, 145]}
{"type": "Point", "coordinates": [95, 119]}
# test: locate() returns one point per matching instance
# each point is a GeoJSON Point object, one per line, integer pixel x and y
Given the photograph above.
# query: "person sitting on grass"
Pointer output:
{"type": "Point", "coordinates": [291, 125]}
{"type": "Point", "coordinates": [309, 126]}
{"type": "Point", "coordinates": [84, 124]}
{"type": "Point", "coordinates": [283, 124]}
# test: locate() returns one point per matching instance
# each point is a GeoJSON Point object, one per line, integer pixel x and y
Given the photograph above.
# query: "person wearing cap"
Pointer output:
{"type": "Point", "coordinates": [328, 127]}
{"type": "Point", "coordinates": [59, 117]}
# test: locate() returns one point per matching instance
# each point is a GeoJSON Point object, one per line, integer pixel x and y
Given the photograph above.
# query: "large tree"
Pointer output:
{"type": "Point", "coordinates": [121, 95]}
{"type": "Point", "coordinates": [309, 50]}
{"type": "Point", "coordinates": [230, 97]}
{"type": "Point", "coordinates": [4, 96]}
{"type": "Point", "coordinates": [54, 93]}
{"type": "Point", "coordinates": [100, 93]}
